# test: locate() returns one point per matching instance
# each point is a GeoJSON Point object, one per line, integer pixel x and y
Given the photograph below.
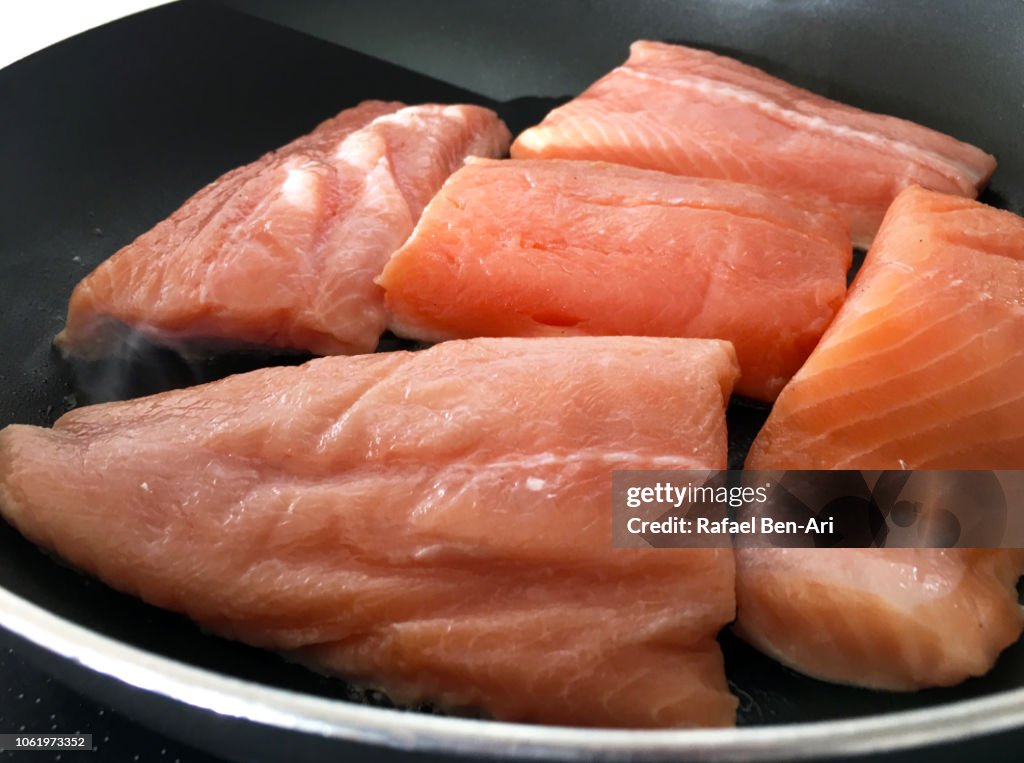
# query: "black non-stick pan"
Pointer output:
{"type": "Point", "coordinates": [105, 134]}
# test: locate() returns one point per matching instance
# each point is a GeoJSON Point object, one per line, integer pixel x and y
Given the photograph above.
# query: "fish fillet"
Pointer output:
{"type": "Point", "coordinates": [692, 112]}
{"type": "Point", "coordinates": [282, 253]}
{"type": "Point", "coordinates": [921, 368]}
{"type": "Point", "coordinates": [435, 524]}
{"type": "Point", "coordinates": [540, 248]}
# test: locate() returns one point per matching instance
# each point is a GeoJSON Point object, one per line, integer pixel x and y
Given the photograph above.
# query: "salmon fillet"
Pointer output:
{"type": "Point", "coordinates": [920, 369]}
{"type": "Point", "coordinates": [436, 524]}
{"type": "Point", "coordinates": [898, 619]}
{"type": "Point", "coordinates": [921, 366]}
{"type": "Point", "coordinates": [541, 248]}
{"type": "Point", "coordinates": [692, 112]}
{"type": "Point", "coordinates": [282, 253]}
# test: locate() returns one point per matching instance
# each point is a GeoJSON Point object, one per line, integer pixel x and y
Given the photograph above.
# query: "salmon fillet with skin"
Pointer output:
{"type": "Point", "coordinates": [541, 248]}
{"type": "Point", "coordinates": [920, 369]}
{"type": "Point", "coordinates": [689, 111]}
{"type": "Point", "coordinates": [435, 524]}
{"type": "Point", "coordinates": [281, 253]}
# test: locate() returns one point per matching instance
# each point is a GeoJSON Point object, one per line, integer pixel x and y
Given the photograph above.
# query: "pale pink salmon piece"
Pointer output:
{"type": "Point", "coordinates": [899, 619]}
{"type": "Point", "coordinates": [689, 111]}
{"type": "Point", "coordinates": [541, 248]}
{"type": "Point", "coordinates": [921, 368]}
{"type": "Point", "coordinates": [435, 524]}
{"type": "Point", "coordinates": [282, 253]}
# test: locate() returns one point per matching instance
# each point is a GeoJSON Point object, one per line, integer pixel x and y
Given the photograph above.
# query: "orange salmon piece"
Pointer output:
{"type": "Point", "coordinates": [691, 112]}
{"type": "Point", "coordinates": [543, 248]}
{"type": "Point", "coordinates": [921, 369]}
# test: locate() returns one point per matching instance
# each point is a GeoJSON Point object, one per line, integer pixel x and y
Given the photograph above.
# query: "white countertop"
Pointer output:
{"type": "Point", "coordinates": [30, 25]}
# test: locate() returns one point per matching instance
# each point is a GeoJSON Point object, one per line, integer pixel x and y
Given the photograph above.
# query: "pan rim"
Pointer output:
{"type": "Point", "coordinates": [345, 721]}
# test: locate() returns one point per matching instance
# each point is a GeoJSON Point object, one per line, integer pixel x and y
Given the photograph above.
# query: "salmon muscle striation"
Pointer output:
{"type": "Point", "coordinates": [921, 369]}
{"type": "Point", "coordinates": [692, 112]}
{"type": "Point", "coordinates": [550, 248]}
{"type": "Point", "coordinates": [281, 254]}
{"type": "Point", "coordinates": [435, 524]}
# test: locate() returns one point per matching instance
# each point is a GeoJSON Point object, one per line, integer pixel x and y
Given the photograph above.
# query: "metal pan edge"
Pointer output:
{"type": "Point", "coordinates": [347, 722]}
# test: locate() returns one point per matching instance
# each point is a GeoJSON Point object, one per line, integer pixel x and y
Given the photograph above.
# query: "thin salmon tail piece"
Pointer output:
{"type": "Point", "coordinates": [560, 247]}
{"type": "Point", "coordinates": [896, 619]}
{"type": "Point", "coordinates": [921, 369]}
{"type": "Point", "coordinates": [435, 524]}
{"type": "Point", "coordinates": [692, 112]}
{"type": "Point", "coordinates": [281, 254]}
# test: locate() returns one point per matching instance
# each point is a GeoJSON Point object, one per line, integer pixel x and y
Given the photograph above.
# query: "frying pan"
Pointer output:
{"type": "Point", "coordinates": [105, 134]}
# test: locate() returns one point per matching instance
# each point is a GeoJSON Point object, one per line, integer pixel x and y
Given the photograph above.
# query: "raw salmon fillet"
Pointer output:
{"type": "Point", "coordinates": [436, 524]}
{"type": "Point", "coordinates": [692, 112]}
{"type": "Point", "coordinates": [921, 368]}
{"type": "Point", "coordinates": [282, 253]}
{"type": "Point", "coordinates": [898, 619]}
{"type": "Point", "coordinates": [536, 248]}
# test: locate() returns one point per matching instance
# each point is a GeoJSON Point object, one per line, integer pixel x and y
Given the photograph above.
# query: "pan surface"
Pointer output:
{"type": "Point", "coordinates": [105, 134]}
